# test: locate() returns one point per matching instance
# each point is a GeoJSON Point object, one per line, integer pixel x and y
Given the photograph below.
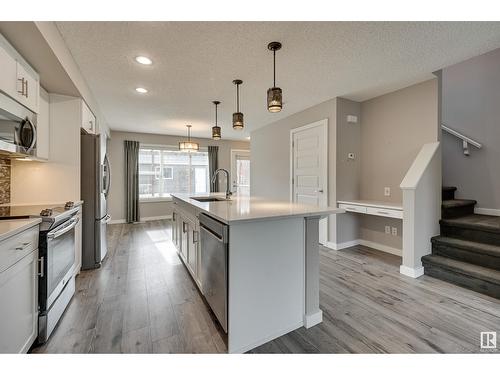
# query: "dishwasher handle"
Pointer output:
{"type": "Point", "coordinates": [211, 233]}
{"type": "Point", "coordinates": [215, 227]}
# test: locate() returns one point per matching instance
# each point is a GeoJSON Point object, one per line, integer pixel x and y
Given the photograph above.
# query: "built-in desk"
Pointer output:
{"type": "Point", "coordinates": [376, 208]}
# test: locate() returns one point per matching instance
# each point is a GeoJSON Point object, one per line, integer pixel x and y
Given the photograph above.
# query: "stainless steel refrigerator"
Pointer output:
{"type": "Point", "coordinates": [95, 184]}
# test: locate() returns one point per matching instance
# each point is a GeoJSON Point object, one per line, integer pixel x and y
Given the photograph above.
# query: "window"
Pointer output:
{"type": "Point", "coordinates": [165, 170]}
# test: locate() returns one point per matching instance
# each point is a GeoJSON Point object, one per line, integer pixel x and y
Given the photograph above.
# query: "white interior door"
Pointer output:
{"type": "Point", "coordinates": [240, 171]}
{"type": "Point", "coordinates": [309, 169]}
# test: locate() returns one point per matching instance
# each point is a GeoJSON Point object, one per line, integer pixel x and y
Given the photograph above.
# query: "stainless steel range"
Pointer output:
{"type": "Point", "coordinates": [56, 281]}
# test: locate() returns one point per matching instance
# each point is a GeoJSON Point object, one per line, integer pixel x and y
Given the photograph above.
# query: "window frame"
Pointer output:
{"type": "Point", "coordinates": [167, 148]}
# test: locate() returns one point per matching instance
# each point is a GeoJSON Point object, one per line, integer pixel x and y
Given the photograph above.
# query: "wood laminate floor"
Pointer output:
{"type": "Point", "coordinates": [143, 301]}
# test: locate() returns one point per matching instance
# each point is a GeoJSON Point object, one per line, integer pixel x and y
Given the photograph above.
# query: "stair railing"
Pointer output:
{"type": "Point", "coordinates": [465, 140]}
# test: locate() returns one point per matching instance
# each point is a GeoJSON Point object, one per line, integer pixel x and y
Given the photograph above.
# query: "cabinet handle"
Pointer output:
{"type": "Point", "coordinates": [173, 216]}
{"type": "Point", "coordinates": [184, 227]}
{"type": "Point", "coordinates": [195, 236]}
{"type": "Point", "coordinates": [40, 261]}
{"type": "Point", "coordinates": [23, 246]}
{"type": "Point", "coordinates": [26, 93]}
{"type": "Point", "coordinates": [22, 86]}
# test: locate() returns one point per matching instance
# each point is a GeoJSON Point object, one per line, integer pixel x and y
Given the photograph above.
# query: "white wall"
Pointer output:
{"type": "Point", "coordinates": [116, 203]}
{"type": "Point", "coordinates": [57, 180]}
{"type": "Point", "coordinates": [471, 97]}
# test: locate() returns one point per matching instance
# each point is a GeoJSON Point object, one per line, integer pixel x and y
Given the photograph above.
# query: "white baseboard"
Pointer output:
{"type": "Point", "coordinates": [340, 246]}
{"type": "Point", "coordinates": [143, 219]}
{"type": "Point", "coordinates": [411, 272]}
{"type": "Point", "coordinates": [151, 218]}
{"type": "Point", "coordinates": [117, 221]}
{"type": "Point", "coordinates": [373, 245]}
{"type": "Point", "coordinates": [487, 211]}
{"type": "Point", "coordinates": [384, 248]}
{"type": "Point", "coordinates": [313, 319]}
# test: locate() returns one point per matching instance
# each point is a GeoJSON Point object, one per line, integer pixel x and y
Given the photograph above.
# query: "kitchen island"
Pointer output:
{"type": "Point", "coordinates": [265, 281]}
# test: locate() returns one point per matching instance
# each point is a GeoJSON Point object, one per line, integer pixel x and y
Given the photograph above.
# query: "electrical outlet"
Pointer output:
{"type": "Point", "coordinates": [394, 231]}
{"type": "Point", "coordinates": [351, 156]}
{"type": "Point", "coordinates": [387, 229]}
{"type": "Point", "coordinates": [387, 191]}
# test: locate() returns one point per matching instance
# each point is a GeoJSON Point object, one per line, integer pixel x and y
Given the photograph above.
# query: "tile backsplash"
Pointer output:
{"type": "Point", "coordinates": [4, 181]}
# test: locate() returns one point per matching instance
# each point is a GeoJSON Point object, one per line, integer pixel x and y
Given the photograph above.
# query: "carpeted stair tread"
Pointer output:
{"type": "Point", "coordinates": [471, 246]}
{"type": "Point", "coordinates": [470, 270]}
{"type": "Point", "coordinates": [485, 223]}
{"type": "Point", "coordinates": [453, 203]}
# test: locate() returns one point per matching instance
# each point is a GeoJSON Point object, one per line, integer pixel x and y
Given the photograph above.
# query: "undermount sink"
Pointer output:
{"type": "Point", "coordinates": [208, 199]}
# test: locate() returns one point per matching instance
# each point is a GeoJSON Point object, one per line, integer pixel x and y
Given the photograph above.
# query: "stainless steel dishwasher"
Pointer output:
{"type": "Point", "coordinates": [214, 263]}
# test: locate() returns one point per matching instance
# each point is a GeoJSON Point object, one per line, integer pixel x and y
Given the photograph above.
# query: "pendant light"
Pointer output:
{"type": "Point", "coordinates": [274, 94]}
{"type": "Point", "coordinates": [188, 146]}
{"type": "Point", "coordinates": [216, 134]}
{"type": "Point", "coordinates": [238, 116]}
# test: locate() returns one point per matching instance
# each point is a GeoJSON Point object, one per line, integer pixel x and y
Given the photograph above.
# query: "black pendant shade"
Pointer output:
{"type": "Point", "coordinates": [238, 123]}
{"type": "Point", "coordinates": [274, 94]}
{"type": "Point", "coordinates": [216, 131]}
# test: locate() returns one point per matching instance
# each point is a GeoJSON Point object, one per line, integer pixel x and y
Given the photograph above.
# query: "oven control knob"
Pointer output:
{"type": "Point", "coordinates": [69, 205]}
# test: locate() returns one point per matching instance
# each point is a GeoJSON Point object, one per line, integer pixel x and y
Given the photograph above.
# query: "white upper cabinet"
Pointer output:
{"type": "Point", "coordinates": [27, 88]}
{"type": "Point", "coordinates": [7, 73]}
{"type": "Point", "coordinates": [17, 78]}
{"type": "Point", "coordinates": [43, 127]}
{"type": "Point", "coordinates": [88, 119]}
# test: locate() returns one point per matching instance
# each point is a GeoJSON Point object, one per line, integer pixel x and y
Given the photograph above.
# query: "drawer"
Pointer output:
{"type": "Point", "coordinates": [353, 208]}
{"type": "Point", "coordinates": [397, 214]}
{"type": "Point", "coordinates": [17, 247]}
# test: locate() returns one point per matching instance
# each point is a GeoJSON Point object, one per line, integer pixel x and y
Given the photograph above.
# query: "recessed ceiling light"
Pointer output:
{"type": "Point", "coordinates": [143, 60]}
{"type": "Point", "coordinates": [141, 90]}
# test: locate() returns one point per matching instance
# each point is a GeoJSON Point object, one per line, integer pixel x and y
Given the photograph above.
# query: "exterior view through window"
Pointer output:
{"type": "Point", "coordinates": [163, 171]}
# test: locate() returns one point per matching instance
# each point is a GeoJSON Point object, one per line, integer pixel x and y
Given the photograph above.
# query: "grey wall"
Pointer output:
{"type": "Point", "coordinates": [116, 158]}
{"type": "Point", "coordinates": [345, 228]}
{"type": "Point", "coordinates": [270, 152]}
{"type": "Point", "coordinates": [471, 105]}
{"type": "Point", "coordinates": [395, 126]}
{"type": "Point", "coordinates": [390, 131]}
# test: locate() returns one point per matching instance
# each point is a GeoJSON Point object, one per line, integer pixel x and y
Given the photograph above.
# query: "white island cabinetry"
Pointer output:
{"type": "Point", "coordinates": [271, 268]}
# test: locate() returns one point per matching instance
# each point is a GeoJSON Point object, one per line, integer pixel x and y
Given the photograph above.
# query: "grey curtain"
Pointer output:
{"type": "Point", "coordinates": [213, 164]}
{"type": "Point", "coordinates": [132, 181]}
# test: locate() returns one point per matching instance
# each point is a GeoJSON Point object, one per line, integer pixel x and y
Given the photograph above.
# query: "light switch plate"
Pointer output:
{"type": "Point", "coordinates": [387, 229]}
{"type": "Point", "coordinates": [394, 231]}
{"type": "Point", "coordinates": [352, 119]}
{"type": "Point", "coordinates": [387, 191]}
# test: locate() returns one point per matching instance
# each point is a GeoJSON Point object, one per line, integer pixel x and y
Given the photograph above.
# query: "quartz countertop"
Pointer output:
{"type": "Point", "coordinates": [9, 228]}
{"type": "Point", "coordinates": [248, 208]}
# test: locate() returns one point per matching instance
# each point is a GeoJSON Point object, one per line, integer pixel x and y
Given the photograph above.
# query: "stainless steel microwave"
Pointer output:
{"type": "Point", "coordinates": [17, 129]}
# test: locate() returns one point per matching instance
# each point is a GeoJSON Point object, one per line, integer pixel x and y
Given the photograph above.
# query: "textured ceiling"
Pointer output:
{"type": "Point", "coordinates": [195, 63]}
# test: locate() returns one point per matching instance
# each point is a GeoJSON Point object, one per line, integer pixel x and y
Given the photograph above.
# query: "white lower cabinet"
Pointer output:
{"type": "Point", "coordinates": [186, 237]}
{"type": "Point", "coordinates": [19, 297]}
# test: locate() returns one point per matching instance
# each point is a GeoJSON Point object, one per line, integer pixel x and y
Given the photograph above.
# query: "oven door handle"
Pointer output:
{"type": "Point", "coordinates": [67, 228]}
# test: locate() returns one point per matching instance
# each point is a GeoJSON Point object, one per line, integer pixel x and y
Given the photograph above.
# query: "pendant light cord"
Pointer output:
{"type": "Point", "coordinates": [238, 97]}
{"type": "Point", "coordinates": [274, 68]}
{"type": "Point", "coordinates": [216, 114]}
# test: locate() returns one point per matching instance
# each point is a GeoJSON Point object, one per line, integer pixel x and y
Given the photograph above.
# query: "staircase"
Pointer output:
{"type": "Point", "coordinates": [467, 253]}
